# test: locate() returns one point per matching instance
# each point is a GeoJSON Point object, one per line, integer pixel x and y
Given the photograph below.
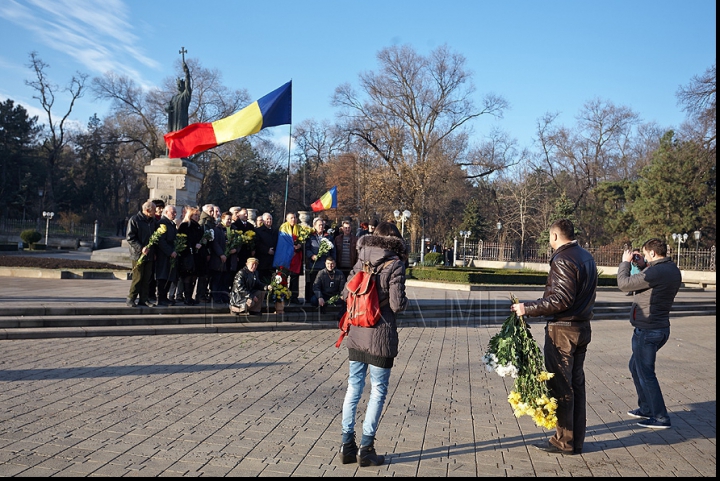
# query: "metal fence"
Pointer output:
{"type": "Point", "coordinates": [688, 258]}
{"type": "Point", "coordinates": [16, 226]}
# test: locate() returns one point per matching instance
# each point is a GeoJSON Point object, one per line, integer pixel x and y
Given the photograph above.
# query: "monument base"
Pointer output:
{"type": "Point", "coordinates": [175, 181]}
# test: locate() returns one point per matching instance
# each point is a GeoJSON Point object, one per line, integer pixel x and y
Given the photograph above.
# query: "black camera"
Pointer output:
{"type": "Point", "coordinates": [636, 258]}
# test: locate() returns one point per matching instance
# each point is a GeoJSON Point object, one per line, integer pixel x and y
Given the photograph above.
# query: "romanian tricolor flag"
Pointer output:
{"type": "Point", "coordinates": [327, 201]}
{"type": "Point", "coordinates": [273, 109]}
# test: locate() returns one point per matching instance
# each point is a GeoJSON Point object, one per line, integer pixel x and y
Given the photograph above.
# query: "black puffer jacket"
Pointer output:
{"type": "Point", "coordinates": [378, 345]}
{"type": "Point", "coordinates": [570, 288]}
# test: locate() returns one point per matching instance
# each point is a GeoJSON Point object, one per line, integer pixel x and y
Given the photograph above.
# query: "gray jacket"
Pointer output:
{"type": "Point", "coordinates": [655, 290]}
{"type": "Point", "coordinates": [378, 345]}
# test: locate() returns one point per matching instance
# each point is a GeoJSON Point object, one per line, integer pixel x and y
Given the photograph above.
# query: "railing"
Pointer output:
{"type": "Point", "coordinates": [16, 226]}
{"type": "Point", "coordinates": [690, 259]}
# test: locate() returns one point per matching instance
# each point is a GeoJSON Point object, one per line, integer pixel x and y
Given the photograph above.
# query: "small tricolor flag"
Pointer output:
{"type": "Point", "coordinates": [273, 109]}
{"type": "Point", "coordinates": [327, 201]}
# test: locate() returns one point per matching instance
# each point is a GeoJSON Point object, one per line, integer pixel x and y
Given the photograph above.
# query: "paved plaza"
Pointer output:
{"type": "Point", "coordinates": [269, 404]}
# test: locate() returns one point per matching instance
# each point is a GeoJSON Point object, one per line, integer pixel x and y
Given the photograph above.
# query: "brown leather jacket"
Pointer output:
{"type": "Point", "coordinates": [570, 288]}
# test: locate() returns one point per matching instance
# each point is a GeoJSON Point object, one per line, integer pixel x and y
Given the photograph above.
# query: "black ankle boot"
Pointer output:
{"type": "Point", "coordinates": [348, 452]}
{"type": "Point", "coordinates": [368, 457]}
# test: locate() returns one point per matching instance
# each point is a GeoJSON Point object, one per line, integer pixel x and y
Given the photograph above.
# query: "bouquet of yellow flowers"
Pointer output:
{"type": "Point", "coordinates": [154, 238]}
{"type": "Point", "coordinates": [180, 245]}
{"type": "Point", "coordinates": [278, 289]}
{"type": "Point", "coordinates": [234, 240]}
{"type": "Point", "coordinates": [513, 352]}
{"type": "Point", "coordinates": [304, 233]}
{"type": "Point", "coordinates": [248, 239]}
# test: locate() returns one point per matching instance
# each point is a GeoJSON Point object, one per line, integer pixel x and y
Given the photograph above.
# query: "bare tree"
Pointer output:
{"type": "Point", "coordinates": [56, 141]}
{"type": "Point", "coordinates": [698, 101]}
{"type": "Point", "coordinates": [412, 107]}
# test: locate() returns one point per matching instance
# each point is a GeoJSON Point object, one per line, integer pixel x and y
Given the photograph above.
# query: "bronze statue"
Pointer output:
{"type": "Point", "coordinates": [177, 108]}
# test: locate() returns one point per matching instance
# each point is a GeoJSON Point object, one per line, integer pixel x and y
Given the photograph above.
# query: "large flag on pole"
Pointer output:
{"type": "Point", "coordinates": [327, 201]}
{"type": "Point", "coordinates": [273, 109]}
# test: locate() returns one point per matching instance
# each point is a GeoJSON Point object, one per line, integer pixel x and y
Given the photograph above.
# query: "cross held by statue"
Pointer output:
{"type": "Point", "coordinates": [183, 52]}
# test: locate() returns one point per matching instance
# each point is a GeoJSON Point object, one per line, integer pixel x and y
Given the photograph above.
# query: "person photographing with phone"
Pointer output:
{"type": "Point", "coordinates": [654, 288]}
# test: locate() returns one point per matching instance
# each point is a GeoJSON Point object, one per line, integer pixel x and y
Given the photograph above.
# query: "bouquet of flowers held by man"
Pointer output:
{"type": "Point", "coordinates": [326, 246]}
{"type": "Point", "coordinates": [248, 239]}
{"type": "Point", "coordinates": [513, 352]}
{"type": "Point", "coordinates": [304, 233]}
{"type": "Point", "coordinates": [234, 240]}
{"type": "Point", "coordinates": [278, 290]}
{"type": "Point", "coordinates": [154, 238]}
{"type": "Point", "coordinates": [180, 246]}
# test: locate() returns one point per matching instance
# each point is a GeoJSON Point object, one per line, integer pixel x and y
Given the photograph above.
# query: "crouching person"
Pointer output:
{"type": "Point", "coordinates": [247, 291]}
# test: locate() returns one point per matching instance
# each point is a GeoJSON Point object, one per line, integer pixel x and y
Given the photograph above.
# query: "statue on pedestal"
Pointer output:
{"type": "Point", "coordinates": [177, 108]}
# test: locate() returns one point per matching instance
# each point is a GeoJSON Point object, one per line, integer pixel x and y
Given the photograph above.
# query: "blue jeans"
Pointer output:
{"type": "Point", "coordinates": [645, 345]}
{"type": "Point", "coordinates": [379, 380]}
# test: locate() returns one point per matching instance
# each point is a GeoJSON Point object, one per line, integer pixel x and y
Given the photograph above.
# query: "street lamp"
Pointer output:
{"type": "Point", "coordinates": [697, 235]}
{"type": "Point", "coordinates": [465, 234]}
{"type": "Point", "coordinates": [402, 217]}
{"type": "Point", "coordinates": [499, 228]}
{"type": "Point", "coordinates": [680, 239]}
{"type": "Point", "coordinates": [48, 216]}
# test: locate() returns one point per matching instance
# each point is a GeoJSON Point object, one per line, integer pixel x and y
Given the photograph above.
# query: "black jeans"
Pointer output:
{"type": "Point", "coordinates": [565, 349]}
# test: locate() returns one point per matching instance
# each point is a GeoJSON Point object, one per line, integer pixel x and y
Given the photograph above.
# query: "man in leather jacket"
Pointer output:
{"type": "Point", "coordinates": [567, 304]}
{"type": "Point", "coordinates": [140, 227]}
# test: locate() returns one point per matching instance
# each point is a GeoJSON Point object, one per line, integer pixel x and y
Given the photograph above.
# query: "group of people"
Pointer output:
{"type": "Point", "coordinates": [567, 304]}
{"type": "Point", "coordinates": [205, 270]}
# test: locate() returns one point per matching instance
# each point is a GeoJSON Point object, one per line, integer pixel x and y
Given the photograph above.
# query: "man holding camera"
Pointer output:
{"type": "Point", "coordinates": [655, 288]}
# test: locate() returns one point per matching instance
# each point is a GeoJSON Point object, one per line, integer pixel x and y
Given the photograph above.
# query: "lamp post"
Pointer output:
{"type": "Point", "coordinates": [465, 234]}
{"type": "Point", "coordinates": [697, 235]}
{"type": "Point", "coordinates": [680, 239]}
{"type": "Point", "coordinates": [499, 228]}
{"type": "Point", "coordinates": [48, 216]}
{"type": "Point", "coordinates": [402, 217]}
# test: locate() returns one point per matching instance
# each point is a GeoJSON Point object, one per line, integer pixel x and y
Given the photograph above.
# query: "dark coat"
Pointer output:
{"type": "Point", "coordinates": [570, 287]}
{"type": "Point", "coordinates": [140, 228]}
{"type": "Point", "coordinates": [655, 290]}
{"type": "Point", "coordinates": [378, 345]}
{"type": "Point", "coordinates": [327, 287]}
{"type": "Point", "coordinates": [265, 238]}
{"type": "Point", "coordinates": [165, 247]}
{"type": "Point", "coordinates": [245, 251]}
{"type": "Point", "coordinates": [217, 249]}
{"type": "Point", "coordinates": [194, 233]}
{"type": "Point", "coordinates": [312, 247]}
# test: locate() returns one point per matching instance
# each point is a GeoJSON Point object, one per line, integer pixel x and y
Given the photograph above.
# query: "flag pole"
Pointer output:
{"type": "Point", "coordinates": [287, 180]}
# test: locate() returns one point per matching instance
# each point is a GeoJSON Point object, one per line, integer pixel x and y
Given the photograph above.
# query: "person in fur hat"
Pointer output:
{"type": "Point", "coordinates": [374, 348]}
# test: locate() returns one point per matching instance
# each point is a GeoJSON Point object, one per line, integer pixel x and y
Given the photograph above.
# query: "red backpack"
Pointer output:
{"type": "Point", "coordinates": [363, 307]}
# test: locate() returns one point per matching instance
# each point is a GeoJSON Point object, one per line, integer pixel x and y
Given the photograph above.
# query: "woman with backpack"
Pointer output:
{"type": "Point", "coordinates": [373, 348]}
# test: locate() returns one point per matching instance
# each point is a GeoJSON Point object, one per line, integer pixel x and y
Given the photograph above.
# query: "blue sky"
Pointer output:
{"type": "Point", "coordinates": [551, 56]}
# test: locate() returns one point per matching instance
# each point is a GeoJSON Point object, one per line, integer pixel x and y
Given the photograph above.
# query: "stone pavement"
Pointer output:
{"type": "Point", "coordinates": [269, 404]}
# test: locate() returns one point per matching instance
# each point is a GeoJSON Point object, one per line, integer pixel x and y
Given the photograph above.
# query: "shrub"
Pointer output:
{"type": "Point", "coordinates": [432, 259]}
{"type": "Point", "coordinates": [30, 236]}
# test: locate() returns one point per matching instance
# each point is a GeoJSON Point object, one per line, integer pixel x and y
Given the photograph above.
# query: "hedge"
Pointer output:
{"type": "Point", "coordinates": [489, 276]}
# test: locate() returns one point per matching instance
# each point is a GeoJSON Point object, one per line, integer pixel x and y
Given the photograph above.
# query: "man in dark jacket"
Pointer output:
{"type": "Point", "coordinates": [567, 303]}
{"type": "Point", "coordinates": [140, 227]}
{"type": "Point", "coordinates": [266, 239]}
{"type": "Point", "coordinates": [246, 294]}
{"type": "Point", "coordinates": [165, 271]}
{"type": "Point", "coordinates": [345, 248]}
{"type": "Point", "coordinates": [655, 288]}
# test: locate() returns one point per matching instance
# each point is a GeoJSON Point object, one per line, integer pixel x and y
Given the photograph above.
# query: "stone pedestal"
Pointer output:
{"type": "Point", "coordinates": [252, 215]}
{"type": "Point", "coordinates": [304, 216]}
{"type": "Point", "coordinates": [176, 181]}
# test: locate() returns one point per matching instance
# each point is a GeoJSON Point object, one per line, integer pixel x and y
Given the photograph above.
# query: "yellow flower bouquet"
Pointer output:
{"type": "Point", "coordinates": [513, 352]}
{"type": "Point", "coordinates": [154, 238]}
